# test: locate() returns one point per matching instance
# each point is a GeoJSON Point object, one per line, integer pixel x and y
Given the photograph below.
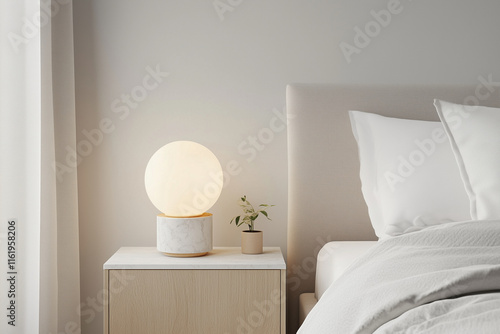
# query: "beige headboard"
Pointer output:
{"type": "Point", "coordinates": [324, 200]}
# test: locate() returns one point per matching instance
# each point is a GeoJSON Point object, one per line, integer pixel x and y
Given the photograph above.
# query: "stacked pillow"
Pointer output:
{"type": "Point", "coordinates": [474, 134]}
{"type": "Point", "coordinates": [416, 174]}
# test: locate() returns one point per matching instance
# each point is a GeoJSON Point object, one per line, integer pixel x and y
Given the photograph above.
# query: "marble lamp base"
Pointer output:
{"type": "Point", "coordinates": [184, 236]}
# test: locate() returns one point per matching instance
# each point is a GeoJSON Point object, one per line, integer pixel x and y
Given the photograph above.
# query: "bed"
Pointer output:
{"type": "Point", "coordinates": [328, 214]}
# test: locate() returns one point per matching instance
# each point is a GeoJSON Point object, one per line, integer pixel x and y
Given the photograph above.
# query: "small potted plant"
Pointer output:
{"type": "Point", "coordinates": [251, 239]}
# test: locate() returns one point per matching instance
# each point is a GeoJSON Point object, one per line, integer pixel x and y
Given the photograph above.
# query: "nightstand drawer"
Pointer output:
{"type": "Point", "coordinates": [195, 301]}
{"type": "Point", "coordinates": [223, 292]}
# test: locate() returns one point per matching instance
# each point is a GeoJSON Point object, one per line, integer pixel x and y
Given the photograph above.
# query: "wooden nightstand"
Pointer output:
{"type": "Point", "coordinates": [222, 292]}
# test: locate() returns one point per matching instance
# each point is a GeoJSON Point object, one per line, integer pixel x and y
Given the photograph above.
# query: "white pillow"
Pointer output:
{"type": "Point", "coordinates": [474, 134]}
{"type": "Point", "coordinates": [408, 173]}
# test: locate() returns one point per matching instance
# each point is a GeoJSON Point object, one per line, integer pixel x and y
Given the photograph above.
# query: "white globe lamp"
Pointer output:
{"type": "Point", "coordinates": [183, 180]}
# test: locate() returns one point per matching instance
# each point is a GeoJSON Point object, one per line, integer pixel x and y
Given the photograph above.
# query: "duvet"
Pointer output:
{"type": "Point", "coordinates": [444, 279]}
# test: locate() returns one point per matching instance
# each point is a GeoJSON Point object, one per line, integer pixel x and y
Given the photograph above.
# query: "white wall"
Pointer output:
{"type": "Point", "coordinates": [226, 85]}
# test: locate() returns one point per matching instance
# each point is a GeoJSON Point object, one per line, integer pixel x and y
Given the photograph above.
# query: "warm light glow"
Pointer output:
{"type": "Point", "coordinates": [183, 179]}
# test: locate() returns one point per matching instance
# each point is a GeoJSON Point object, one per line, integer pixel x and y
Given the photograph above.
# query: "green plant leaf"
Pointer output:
{"type": "Point", "coordinates": [265, 214]}
{"type": "Point", "coordinates": [250, 214]}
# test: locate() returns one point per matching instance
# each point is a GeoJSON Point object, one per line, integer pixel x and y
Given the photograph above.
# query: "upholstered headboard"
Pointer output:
{"type": "Point", "coordinates": [325, 200]}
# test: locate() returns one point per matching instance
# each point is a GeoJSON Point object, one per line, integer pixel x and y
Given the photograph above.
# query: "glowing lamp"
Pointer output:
{"type": "Point", "coordinates": [183, 180]}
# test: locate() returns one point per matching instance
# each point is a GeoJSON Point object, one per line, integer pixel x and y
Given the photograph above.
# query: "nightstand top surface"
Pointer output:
{"type": "Point", "coordinates": [218, 258]}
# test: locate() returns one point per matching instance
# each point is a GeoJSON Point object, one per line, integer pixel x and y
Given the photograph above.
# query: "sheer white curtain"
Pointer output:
{"type": "Point", "coordinates": [40, 286]}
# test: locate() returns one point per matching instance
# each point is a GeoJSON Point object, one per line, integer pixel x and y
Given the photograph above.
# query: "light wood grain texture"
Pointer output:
{"type": "Point", "coordinates": [283, 301]}
{"type": "Point", "coordinates": [197, 301]}
{"type": "Point", "coordinates": [106, 302]}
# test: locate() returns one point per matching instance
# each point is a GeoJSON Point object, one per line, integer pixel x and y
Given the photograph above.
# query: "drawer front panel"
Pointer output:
{"type": "Point", "coordinates": [194, 301]}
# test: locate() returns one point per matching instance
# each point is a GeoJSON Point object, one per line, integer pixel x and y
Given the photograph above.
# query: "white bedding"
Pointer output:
{"type": "Point", "coordinates": [443, 279]}
{"type": "Point", "coordinates": [333, 260]}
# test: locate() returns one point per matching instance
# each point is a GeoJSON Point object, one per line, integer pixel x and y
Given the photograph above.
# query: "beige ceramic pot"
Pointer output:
{"type": "Point", "coordinates": [251, 242]}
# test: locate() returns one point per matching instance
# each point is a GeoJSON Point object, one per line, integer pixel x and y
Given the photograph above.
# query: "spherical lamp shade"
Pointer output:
{"type": "Point", "coordinates": [183, 179]}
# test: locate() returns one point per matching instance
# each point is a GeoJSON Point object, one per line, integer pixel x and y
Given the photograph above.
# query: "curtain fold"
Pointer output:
{"type": "Point", "coordinates": [37, 197]}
